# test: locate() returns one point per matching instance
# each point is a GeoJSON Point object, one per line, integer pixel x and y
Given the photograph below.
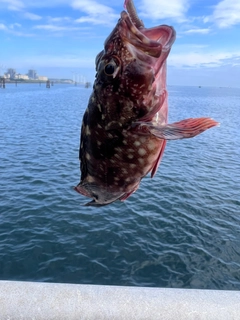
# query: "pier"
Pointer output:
{"type": "Point", "coordinates": [48, 83]}
{"type": "Point", "coordinates": [53, 301]}
{"type": "Point", "coordinates": [2, 83]}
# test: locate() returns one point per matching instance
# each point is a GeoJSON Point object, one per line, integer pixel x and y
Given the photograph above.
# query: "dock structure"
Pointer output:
{"type": "Point", "coordinates": [52, 301]}
{"type": "Point", "coordinates": [2, 83]}
{"type": "Point", "coordinates": [48, 84]}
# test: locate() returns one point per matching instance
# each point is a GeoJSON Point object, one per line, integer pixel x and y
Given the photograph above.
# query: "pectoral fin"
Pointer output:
{"type": "Point", "coordinates": [187, 128]}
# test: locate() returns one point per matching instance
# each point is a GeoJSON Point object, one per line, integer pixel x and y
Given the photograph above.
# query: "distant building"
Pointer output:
{"type": "Point", "coordinates": [32, 74]}
{"type": "Point", "coordinates": [21, 76]}
{"type": "Point", "coordinates": [11, 72]}
{"type": "Point", "coordinates": [42, 78]}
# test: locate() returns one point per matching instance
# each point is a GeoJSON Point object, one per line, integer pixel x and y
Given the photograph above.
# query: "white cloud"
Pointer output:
{"type": "Point", "coordinates": [12, 26]}
{"type": "Point", "coordinates": [159, 9]}
{"type": "Point", "coordinates": [11, 29]}
{"type": "Point", "coordinates": [21, 34]}
{"type": "Point", "coordinates": [59, 19]}
{"type": "Point", "coordinates": [198, 31]}
{"type": "Point", "coordinates": [201, 59]}
{"type": "Point", "coordinates": [227, 13]}
{"type": "Point", "coordinates": [51, 27]}
{"type": "Point", "coordinates": [14, 5]}
{"type": "Point", "coordinates": [93, 20]}
{"type": "Point", "coordinates": [46, 3]}
{"type": "Point", "coordinates": [32, 16]}
{"type": "Point", "coordinates": [2, 26]}
{"type": "Point", "coordinates": [19, 4]}
{"type": "Point", "coordinates": [96, 13]}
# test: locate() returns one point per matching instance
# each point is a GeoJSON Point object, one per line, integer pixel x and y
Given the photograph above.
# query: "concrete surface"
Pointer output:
{"type": "Point", "coordinates": [48, 301]}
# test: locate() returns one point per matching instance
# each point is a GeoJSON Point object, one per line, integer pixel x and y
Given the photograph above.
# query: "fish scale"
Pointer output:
{"type": "Point", "coordinates": [124, 128]}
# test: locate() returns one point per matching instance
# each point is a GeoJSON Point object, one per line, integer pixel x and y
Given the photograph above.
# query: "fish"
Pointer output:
{"type": "Point", "coordinates": [125, 126]}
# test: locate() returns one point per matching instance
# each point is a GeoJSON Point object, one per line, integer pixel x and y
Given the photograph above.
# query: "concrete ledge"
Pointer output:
{"type": "Point", "coordinates": [48, 301]}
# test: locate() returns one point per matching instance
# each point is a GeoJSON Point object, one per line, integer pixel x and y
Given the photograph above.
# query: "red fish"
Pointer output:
{"type": "Point", "coordinates": [124, 128]}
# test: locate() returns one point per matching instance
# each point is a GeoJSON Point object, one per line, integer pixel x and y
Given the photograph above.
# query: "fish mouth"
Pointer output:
{"type": "Point", "coordinates": [100, 196]}
{"type": "Point", "coordinates": [145, 43]}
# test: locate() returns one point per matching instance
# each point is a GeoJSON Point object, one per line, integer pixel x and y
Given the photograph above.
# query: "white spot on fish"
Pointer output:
{"type": "Point", "coordinates": [88, 157]}
{"type": "Point", "coordinates": [142, 139]}
{"type": "Point", "coordinates": [151, 146]}
{"type": "Point", "coordinates": [102, 168]}
{"type": "Point", "coordinates": [124, 171]}
{"type": "Point", "coordinates": [87, 131]}
{"type": "Point", "coordinates": [142, 152]}
{"type": "Point", "coordinates": [151, 158]}
{"type": "Point", "coordinates": [130, 156]}
{"type": "Point", "coordinates": [90, 179]}
{"type": "Point", "coordinates": [137, 143]}
{"type": "Point", "coordinates": [118, 156]}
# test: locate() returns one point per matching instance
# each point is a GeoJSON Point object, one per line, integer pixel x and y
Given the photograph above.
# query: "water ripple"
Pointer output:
{"type": "Point", "coordinates": [180, 229]}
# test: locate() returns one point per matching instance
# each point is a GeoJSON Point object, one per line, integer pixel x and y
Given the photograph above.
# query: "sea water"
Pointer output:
{"type": "Point", "coordinates": [180, 229]}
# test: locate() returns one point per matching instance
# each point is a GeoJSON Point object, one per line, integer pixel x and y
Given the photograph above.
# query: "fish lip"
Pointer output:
{"type": "Point", "coordinates": [130, 7]}
{"type": "Point", "coordinates": [100, 196]}
{"type": "Point", "coordinates": [152, 41]}
{"type": "Point", "coordinates": [135, 39]}
{"type": "Point", "coordinates": [80, 189]}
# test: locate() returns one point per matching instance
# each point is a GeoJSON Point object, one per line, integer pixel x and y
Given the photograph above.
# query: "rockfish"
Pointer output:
{"type": "Point", "coordinates": [124, 128]}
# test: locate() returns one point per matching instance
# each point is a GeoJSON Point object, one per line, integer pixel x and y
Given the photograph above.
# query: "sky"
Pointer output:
{"type": "Point", "coordinates": [61, 38]}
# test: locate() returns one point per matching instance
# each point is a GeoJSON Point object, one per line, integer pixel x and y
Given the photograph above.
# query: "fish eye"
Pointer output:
{"type": "Point", "coordinates": [110, 69]}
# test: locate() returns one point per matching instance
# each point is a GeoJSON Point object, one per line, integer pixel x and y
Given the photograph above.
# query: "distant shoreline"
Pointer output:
{"type": "Point", "coordinates": [39, 81]}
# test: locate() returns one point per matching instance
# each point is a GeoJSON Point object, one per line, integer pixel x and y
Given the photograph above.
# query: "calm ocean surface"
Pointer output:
{"type": "Point", "coordinates": [180, 229]}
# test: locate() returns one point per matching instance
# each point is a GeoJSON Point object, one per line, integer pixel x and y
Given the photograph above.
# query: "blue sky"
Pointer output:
{"type": "Point", "coordinates": [60, 38]}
